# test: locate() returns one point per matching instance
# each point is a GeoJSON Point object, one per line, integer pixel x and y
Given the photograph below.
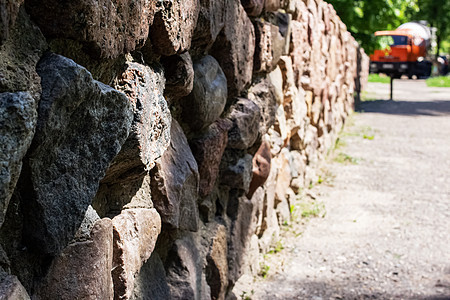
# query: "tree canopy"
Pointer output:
{"type": "Point", "coordinates": [364, 17]}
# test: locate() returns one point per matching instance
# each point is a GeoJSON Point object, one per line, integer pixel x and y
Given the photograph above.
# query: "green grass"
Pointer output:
{"type": "Point", "coordinates": [378, 78]}
{"type": "Point", "coordinates": [441, 81]}
{"type": "Point", "coordinates": [346, 159]}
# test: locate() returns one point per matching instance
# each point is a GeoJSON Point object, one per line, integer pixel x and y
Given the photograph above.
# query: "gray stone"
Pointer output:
{"type": "Point", "coordinates": [107, 28]}
{"type": "Point", "coordinates": [209, 95]}
{"type": "Point", "coordinates": [18, 119]}
{"type": "Point", "coordinates": [245, 116]}
{"type": "Point", "coordinates": [234, 48]}
{"type": "Point", "coordinates": [8, 16]}
{"type": "Point", "coordinates": [81, 127]}
{"type": "Point", "coordinates": [208, 149]}
{"type": "Point", "coordinates": [253, 7]}
{"type": "Point", "coordinates": [241, 230]}
{"type": "Point", "coordinates": [150, 283]}
{"type": "Point", "coordinates": [269, 46]}
{"type": "Point", "coordinates": [83, 269]}
{"type": "Point", "coordinates": [179, 75]}
{"type": "Point", "coordinates": [175, 183]}
{"type": "Point", "coordinates": [216, 264]}
{"type": "Point", "coordinates": [84, 232]}
{"type": "Point", "coordinates": [211, 20]}
{"type": "Point", "coordinates": [184, 270]}
{"type": "Point", "coordinates": [19, 55]}
{"type": "Point", "coordinates": [236, 170]}
{"type": "Point", "coordinates": [263, 94]}
{"type": "Point", "coordinates": [11, 288]}
{"type": "Point", "coordinates": [135, 233]}
{"type": "Point", "coordinates": [174, 25]}
{"type": "Point", "coordinates": [144, 87]}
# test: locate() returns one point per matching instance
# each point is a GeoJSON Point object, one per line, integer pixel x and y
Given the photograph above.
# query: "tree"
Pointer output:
{"type": "Point", "coordinates": [437, 13]}
{"type": "Point", "coordinates": [364, 17]}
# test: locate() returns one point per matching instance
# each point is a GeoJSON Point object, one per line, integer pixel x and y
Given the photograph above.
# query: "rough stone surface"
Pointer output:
{"type": "Point", "coordinates": [241, 231]}
{"type": "Point", "coordinates": [211, 20]}
{"type": "Point", "coordinates": [83, 269]}
{"type": "Point", "coordinates": [269, 46]}
{"type": "Point", "coordinates": [245, 116]}
{"type": "Point", "coordinates": [283, 177]}
{"type": "Point", "coordinates": [217, 265]}
{"type": "Point", "coordinates": [11, 288]}
{"type": "Point", "coordinates": [175, 183]}
{"type": "Point", "coordinates": [18, 119]}
{"type": "Point", "coordinates": [107, 28]}
{"type": "Point", "coordinates": [261, 168]}
{"type": "Point", "coordinates": [179, 75]}
{"type": "Point", "coordinates": [174, 25]}
{"type": "Point", "coordinates": [272, 5]}
{"type": "Point", "coordinates": [234, 48]}
{"type": "Point", "coordinates": [144, 87]}
{"type": "Point", "coordinates": [184, 270]}
{"type": "Point", "coordinates": [62, 173]}
{"type": "Point", "coordinates": [253, 7]}
{"type": "Point", "coordinates": [236, 170]}
{"type": "Point", "coordinates": [151, 282]}
{"type": "Point", "coordinates": [19, 55]}
{"type": "Point", "coordinates": [208, 150]}
{"type": "Point", "coordinates": [10, 10]}
{"type": "Point", "coordinates": [263, 94]}
{"type": "Point", "coordinates": [209, 94]}
{"type": "Point", "coordinates": [135, 232]}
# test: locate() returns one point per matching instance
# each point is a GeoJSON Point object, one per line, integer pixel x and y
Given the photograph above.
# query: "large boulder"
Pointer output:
{"type": "Point", "coordinates": [144, 87]}
{"type": "Point", "coordinates": [174, 25]}
{"type": "Point", "coordinates": [208, 149]}
{"type": "Point", "coordinates": [263, 94]}
{"type": "Point", "coordinates": [236, 170]}
{"type": "Point", "coordinates": [18, 119]}
{"type": "Point", "coordinates": [216, 263]}
{"type": "Point", "coordinates": [10, 10]}
{"type": "Point", "coordinates": [83, 269]}
{"type": "Point", "coordinates": [175, 183]}
{"type": "Point", "coordinates": [245, 116]}
{"type": "Point", "coordinates": [234, 48]}
{"type": "Point", "coordinates": [81, 127]}
{"type": "Point", "coordinates": [209, 94]}
{"type": "Point", "coordinates": [184, 271]}
{"type": "Point", "coordinates": [151, 282]}
{"type": "Point", "coordinates": [269, 46]}
{"type": "Point", "coordinates": [19, 55]}
{"type": "Point", "coordinates": [135, 232]}
{"type": "Point", "coordinates": [211, 20]}
{"type": "Point", "coordinates": [107, 28]}
{"type": "Point", "coordinates": [179, 75]}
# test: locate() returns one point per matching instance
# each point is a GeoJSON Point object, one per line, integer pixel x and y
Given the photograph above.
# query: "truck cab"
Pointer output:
{"type": "Point", "coordinates": [404, 52]}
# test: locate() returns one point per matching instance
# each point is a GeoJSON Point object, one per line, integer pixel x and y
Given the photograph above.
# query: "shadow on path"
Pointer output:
{"type": "Point", "coordinates": [409, 108]}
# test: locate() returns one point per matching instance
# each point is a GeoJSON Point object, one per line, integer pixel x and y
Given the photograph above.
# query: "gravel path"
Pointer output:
{"type": "Point", "coordinates": [386, 201]}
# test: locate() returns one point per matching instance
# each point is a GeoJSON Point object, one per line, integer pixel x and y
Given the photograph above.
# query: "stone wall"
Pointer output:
{"type": "Point", "coordinates": [150, 148]}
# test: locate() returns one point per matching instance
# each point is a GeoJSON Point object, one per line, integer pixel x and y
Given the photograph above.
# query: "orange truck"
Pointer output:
{"type": "Point", "coordinates": [405, 51]}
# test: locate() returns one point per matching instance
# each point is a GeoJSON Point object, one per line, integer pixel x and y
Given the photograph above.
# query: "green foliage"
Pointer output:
{"type": "Point", "coordinates": [246, 296]}
{"type": "Point", "coordinates": [346, 159]}
{"type": "Point", "coordinates": [364, 17]}
{"type": "Point", "coordinates": [378, 78]}
{"type": "Point", "coordinates": [264, 270]}
{"type": "Point", "coordinates": [437, 13]}
{"type": "Point", "coordinates": [441, 81]}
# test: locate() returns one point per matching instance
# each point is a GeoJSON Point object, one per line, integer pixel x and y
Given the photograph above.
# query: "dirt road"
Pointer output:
{"type": "Point", "coordinates": [386, 200]}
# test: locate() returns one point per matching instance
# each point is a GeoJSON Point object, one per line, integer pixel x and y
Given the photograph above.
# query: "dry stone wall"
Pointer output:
{"type": "Point", "coordinates": [150, 149]}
